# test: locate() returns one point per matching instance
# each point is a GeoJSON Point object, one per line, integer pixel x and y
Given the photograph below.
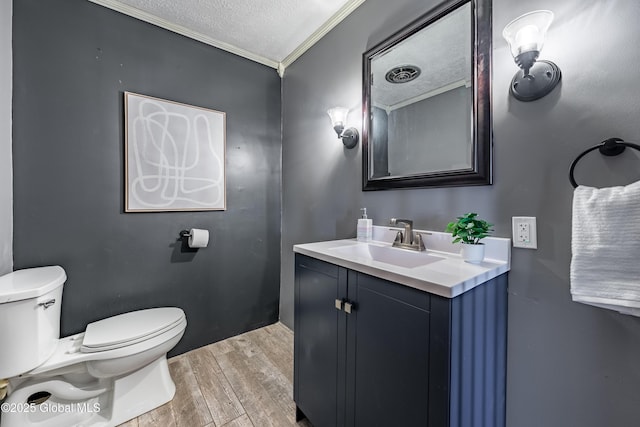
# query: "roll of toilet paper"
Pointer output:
{"type": "Point", "coordinates": [198, 238]}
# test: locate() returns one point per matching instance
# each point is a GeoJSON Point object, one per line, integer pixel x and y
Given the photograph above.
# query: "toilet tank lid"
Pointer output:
{"type": "Point", "coordinates": [30, 283]}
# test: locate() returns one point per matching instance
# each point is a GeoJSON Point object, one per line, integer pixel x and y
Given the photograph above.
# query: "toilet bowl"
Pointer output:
{"type": "Point", "coordinates": [114, 371]}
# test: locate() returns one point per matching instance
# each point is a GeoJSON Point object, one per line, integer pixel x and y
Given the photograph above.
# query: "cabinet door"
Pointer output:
{"type": "Point", "coordinates": [387, 354]}
{"type": "Point", "coordinates": [320, 330]}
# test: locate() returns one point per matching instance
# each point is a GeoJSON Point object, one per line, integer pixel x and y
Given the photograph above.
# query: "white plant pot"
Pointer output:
{"type": "Point", "coordinates": [473, 254]}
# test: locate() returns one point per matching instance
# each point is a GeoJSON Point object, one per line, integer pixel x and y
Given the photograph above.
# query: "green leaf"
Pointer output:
{"type": "Point", "coordinates": [469, 229]}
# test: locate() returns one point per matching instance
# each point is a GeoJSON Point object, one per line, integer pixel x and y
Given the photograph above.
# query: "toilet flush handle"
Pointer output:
{"type": "Point", "coordinates": [48, 303]}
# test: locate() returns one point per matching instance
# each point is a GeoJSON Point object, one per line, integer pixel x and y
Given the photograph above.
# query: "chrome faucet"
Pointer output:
{"type": "Point", "coordinates": [406, 239]}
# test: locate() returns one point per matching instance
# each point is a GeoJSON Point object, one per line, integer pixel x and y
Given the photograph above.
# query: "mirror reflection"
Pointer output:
{"type": "Point", "coordinates": [426, 98]}
{"type": "Point", "coordinates": [421, 100]}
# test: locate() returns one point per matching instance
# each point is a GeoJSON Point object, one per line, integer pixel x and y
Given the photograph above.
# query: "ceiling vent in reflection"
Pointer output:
{"type": "Point", "coordinates": [402, 74]}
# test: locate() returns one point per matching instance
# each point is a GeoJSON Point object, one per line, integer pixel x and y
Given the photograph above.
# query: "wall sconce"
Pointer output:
{"type": "Point", "coordinates": [525, 36]}
{"type": "Point", "coordinates": [338, 117]}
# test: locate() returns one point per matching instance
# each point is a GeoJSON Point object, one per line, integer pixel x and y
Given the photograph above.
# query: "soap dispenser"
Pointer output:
{"type": "Point", "coordinates": [365, 227]}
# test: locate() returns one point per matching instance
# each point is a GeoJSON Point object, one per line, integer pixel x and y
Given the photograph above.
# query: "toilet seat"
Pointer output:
{"type": "Point", "coordinates": [129, 328]}
{"type": "Point", "coordinates": [69, 351]}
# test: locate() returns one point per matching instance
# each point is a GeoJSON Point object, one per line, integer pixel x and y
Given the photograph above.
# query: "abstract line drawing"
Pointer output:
{"type": "Point", "coordinates": [175, 156]}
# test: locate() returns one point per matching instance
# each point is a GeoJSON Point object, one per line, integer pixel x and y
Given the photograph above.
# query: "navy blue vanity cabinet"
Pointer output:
{"type": "Point", "coordinates": [369, 352]}
{"type": "Point", "coordinates": [318, 370]}
{"type": "Point", "coordinates": [387, 353]}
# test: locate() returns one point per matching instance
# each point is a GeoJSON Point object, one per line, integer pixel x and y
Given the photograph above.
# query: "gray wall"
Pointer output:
{"type": "Point", "coordinates": [380, 148]}
{"type": "Point", "coordinates": [73, 60]}
{"type": "Point", "coordinates": [568, 364]}
{"type": "Point", "coordinates": [6, 188]}
{"type": "Point", "coordinates": [431, 135]}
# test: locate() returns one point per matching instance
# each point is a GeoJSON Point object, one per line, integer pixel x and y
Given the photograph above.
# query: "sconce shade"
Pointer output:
{"type": "Point", "coordinates": [525, 36]}
{"type": "Point", "coordinates": [338, 117]}
{"type": "Point", "coordinates": [526, 33]}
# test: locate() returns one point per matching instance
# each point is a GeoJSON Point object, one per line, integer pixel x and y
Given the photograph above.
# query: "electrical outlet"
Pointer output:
{"type": "Point", "coordinates": [524, 232]}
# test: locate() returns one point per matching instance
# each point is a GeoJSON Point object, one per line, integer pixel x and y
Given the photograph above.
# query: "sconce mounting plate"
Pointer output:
{"type": "Point", "coordinates": [543, 77]}
{"type": "Point", "coordinates": [350, 137]}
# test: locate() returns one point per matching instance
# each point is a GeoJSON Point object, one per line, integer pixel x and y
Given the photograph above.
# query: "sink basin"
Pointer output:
{"type": "Point", "coordinates": [388, 255]}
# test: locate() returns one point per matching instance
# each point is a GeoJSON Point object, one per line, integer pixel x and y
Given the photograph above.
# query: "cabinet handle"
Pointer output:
{"type": "Point", "coordinates": [348, 307]}
{"type": "Point", "coordinates": [339, 304]}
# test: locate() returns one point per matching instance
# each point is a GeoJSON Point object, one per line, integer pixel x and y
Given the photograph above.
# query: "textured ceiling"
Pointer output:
{"type": "Point", "coordinates": [273, 32]}
{"type": "Point", "coordinates": [442, 51]}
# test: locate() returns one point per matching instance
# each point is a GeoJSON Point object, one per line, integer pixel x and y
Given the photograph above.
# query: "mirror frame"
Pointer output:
{"type": "Point", "coordinates": [481, 171]}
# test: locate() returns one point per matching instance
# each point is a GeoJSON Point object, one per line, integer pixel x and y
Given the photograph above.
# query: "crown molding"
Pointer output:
{"type": "Point", "coordinates": [281, 66]}
{"type": "Point", "coordinates": [337, 17]}
{"type": "Point", "coordinates": [162, 23]}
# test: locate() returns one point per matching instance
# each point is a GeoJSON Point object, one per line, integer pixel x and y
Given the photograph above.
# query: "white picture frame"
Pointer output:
{"type": "Point", "coordinates": [174, 156]}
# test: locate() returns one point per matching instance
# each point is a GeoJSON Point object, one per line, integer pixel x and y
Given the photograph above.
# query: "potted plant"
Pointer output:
{"type": "Point", "coordinates": [469, 230]}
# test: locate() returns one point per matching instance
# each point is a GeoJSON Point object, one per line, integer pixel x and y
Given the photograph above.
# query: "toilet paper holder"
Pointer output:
{"type": "Point", "coordinates": [194, 238]}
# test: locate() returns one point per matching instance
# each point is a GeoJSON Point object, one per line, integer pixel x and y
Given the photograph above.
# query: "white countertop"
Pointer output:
{"type": "Point", "coordinates": [448, 276]}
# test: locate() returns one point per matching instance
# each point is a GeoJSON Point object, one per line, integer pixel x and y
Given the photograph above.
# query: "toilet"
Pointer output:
{"type": "Point", "coordinates": [112, 372]}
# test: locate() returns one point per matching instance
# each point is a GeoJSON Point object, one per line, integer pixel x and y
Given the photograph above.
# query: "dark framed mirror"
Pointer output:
{"type": "Point", "coordinates": [427, 101]}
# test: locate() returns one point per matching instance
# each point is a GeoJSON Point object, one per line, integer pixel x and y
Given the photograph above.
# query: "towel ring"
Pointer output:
{"type": "Point", "coordinates": [608, 147]}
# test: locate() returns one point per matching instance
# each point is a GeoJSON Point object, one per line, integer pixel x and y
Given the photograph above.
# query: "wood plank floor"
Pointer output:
{"type": "Point", "coordinates": [243, 381]}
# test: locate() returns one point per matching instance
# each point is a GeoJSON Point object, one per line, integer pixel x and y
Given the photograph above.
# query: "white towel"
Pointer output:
{"type": "Point", "coordinates": [605, 246]}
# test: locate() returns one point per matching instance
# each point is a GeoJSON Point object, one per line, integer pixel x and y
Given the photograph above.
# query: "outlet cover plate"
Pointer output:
{"type": "Point", "coordinates": [524, 232]}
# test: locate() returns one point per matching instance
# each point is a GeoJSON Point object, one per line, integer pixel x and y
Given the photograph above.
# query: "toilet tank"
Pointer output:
{"type": "Point", "coordinates": [30, 302]}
